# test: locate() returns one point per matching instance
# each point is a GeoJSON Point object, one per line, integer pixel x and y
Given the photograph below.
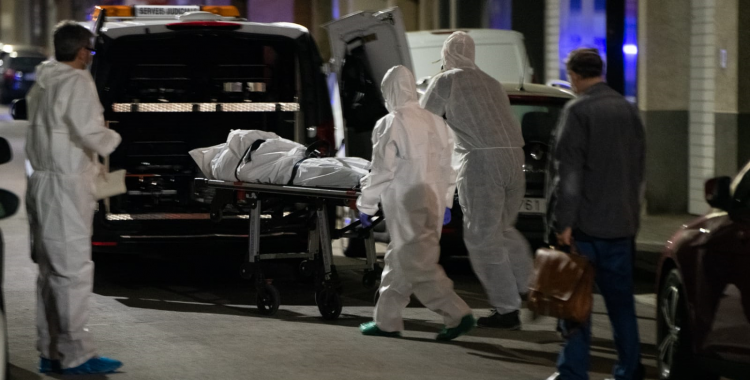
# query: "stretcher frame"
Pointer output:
{"type": "Point", "coordinates": [319, 246]}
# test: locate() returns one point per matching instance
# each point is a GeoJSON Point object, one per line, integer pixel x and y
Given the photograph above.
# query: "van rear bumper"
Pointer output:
{"type": "Point", "coordinates": [167, 234]}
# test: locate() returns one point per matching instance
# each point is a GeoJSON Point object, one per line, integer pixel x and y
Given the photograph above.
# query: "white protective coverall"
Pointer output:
{"type": "Point", "coordinates": [491, 182]}
{"type": "Point", "coordinates": [66, 132]}
{"type": "Point", "coordinates": [413, 179]}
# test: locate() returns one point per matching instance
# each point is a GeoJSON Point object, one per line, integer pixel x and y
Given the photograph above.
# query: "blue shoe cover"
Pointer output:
{"type": "Point", "coordinates": [97, 364]}
{"type": "Point", "coordinates": [48, 365]}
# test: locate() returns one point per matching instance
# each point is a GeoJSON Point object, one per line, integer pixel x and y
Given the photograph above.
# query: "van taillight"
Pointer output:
{"type": "Point", "coordinates": [104, 243]}
{"type": "Point", "coordinates": [188, 25]}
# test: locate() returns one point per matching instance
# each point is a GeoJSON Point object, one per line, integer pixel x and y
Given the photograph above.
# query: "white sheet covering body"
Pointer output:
{"type": "Point", "coordinates": [224, 164]}
{"type": "Point", "coordinates": [273, 162]}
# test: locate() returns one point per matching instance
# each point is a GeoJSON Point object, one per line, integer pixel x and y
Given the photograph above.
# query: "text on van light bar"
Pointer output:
{"type": "Point", "coordinates": [205, 107]}
{"type": "Point", "coordinates": [161, 11]}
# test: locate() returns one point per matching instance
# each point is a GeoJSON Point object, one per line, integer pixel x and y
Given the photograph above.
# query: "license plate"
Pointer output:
{"type": "Point", "coordinates": [30, 76]}
{"type": "Point", "coordinates": [533, 206]}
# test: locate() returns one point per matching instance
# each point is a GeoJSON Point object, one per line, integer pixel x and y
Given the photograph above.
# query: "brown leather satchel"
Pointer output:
{"type": "Point", "coordinates": [562, 285]}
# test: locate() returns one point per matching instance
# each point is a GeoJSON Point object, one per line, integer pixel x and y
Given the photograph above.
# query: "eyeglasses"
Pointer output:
{"type": "Point", "coordinates": [92, 50]}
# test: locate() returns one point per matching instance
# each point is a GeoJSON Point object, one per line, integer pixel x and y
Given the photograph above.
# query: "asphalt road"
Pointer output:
{"type": "Point", "coordinates": [191, 316]}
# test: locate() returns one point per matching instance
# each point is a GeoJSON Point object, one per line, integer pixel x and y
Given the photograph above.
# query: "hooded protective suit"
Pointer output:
{"type": "Point", "coordinates": [491, 182]}
{"type": "Point", "coordinates": [412, 177]}
{"type": "Point", "coordinates": [66, 132]}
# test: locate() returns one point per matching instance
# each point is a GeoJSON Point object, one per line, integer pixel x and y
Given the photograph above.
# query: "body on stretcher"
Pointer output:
{"type": "Point", "coordinates": [277, 209]}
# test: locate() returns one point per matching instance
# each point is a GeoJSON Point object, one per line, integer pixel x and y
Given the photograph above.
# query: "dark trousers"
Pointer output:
{"type": "Point", "coordinates": [613, 260]}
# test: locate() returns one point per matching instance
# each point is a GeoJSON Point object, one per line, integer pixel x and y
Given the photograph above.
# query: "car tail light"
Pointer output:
{"type": "Point", "coordinates": [204, 25]}
{"type": "Point", "coordinates": [104, 243]}
{"type": "Point", "coordinates": [9, 74]}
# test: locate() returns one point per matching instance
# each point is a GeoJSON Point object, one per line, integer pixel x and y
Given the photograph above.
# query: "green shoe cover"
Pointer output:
{"type": "Point", "coordinates": [467, 323]}
{"type": "Point", "coordinates": [372, 329]}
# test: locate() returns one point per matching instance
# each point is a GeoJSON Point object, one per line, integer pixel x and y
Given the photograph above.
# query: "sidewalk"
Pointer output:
{"type": "Point", "coordinates": [654, 232]}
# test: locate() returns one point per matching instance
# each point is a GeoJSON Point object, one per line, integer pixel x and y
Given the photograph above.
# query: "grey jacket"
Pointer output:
{"type": "Point", "coordinates": [599, 161]}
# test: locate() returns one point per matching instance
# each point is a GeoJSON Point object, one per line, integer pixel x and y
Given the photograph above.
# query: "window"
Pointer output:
{"type": "Point", "coordinates": [537, 121]}
{"type": "Point", "coordinates": [25, 63]}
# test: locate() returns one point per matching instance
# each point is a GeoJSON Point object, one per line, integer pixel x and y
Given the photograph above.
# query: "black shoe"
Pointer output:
{"type": "Point", "coordinates": [508, 321]}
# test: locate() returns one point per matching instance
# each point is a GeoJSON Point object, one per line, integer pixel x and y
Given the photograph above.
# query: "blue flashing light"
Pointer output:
{"type": "Point", "coordinates": [335, 12]}
{"type": "Point", "coordinates": [630, 49]}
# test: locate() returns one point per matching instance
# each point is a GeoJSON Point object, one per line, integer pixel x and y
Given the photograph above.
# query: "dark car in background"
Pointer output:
{"type": "Point", "coordinates": [18, 70]}
{"type": "Point", "coordinates": [703, 284]}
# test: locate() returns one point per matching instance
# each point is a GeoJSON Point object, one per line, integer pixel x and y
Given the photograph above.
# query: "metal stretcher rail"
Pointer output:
{"type": "Point", "coordinates": [320, 236]}
{"type": "Point", "coordinates": [317, 192]}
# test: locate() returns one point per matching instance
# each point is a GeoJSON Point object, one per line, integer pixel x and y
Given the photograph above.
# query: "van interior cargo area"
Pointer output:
{"type": "Point", "coordinates": [167, 69]}
{"type": "Point", "coordinates": [157, 72]}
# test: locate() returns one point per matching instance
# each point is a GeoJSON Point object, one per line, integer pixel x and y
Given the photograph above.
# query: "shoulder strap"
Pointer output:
{"type": "Point", "coordinates": [247, 157]}
{"type": "Point", "coordinates": [294, 171]}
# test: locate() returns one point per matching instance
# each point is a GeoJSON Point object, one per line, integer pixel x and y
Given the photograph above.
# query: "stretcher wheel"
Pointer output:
{"type": "Point", "coordinates": [268, 300]}
{"type": "Point", "coordinates": [329, 303]}
{"type": "Point", "coordinates": [306, 269]}
{"type": "Point", "coordinates": [370, 279]}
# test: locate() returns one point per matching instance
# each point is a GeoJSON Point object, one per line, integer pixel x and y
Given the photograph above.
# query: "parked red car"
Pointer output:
{"type": "Point", "coordinates": [703, 313]}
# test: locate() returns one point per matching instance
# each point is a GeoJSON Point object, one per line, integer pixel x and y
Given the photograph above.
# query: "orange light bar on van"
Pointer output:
{"type": "Point", "coordinates": [113, 11]}
{"type": "Point", "coordinates": [222, 10]}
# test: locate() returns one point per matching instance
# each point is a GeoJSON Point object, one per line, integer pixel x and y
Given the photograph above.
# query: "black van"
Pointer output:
{"type": "Point", "coordinates": [171, 85]}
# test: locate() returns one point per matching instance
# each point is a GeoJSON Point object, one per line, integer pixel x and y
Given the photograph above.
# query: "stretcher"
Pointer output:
{"type": "Point", "coordinates": [273, 210]}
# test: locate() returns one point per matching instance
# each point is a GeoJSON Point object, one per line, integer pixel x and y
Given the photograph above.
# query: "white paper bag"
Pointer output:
{"type": "Point", "coordinates": [110, 184]}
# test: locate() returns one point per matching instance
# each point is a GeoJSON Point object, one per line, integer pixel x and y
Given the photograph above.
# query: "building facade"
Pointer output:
{"type": "Point", "coordinates": [681, 61]}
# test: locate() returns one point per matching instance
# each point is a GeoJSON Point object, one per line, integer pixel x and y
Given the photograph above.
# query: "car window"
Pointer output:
{"type": "Point", "coordinates": [537, 120]}
{"type": "Point", "coordinates": [25, 63]}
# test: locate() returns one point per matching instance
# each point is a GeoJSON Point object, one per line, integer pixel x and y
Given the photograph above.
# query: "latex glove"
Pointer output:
{"type": "Point", "coordinates": [447, 216]}
{"type": "Point", "coordinates": [565, 239]}
{"type": "Point", "coordinates": [365, 219]}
